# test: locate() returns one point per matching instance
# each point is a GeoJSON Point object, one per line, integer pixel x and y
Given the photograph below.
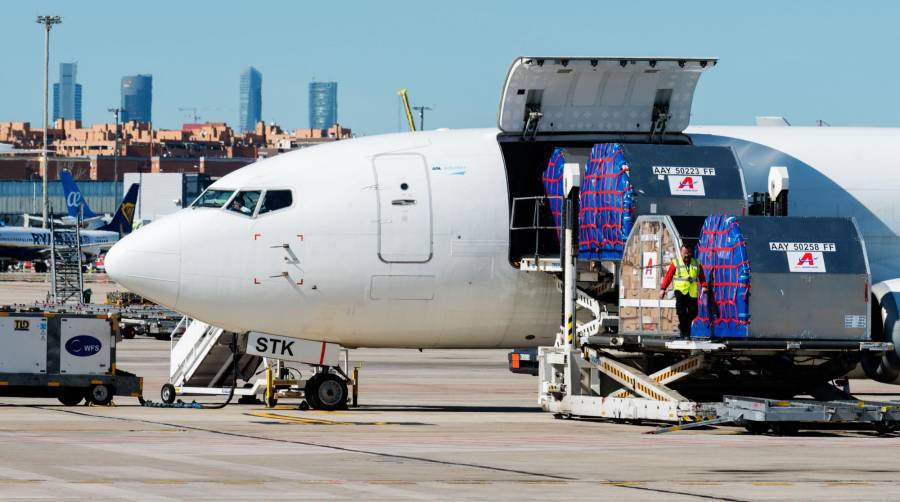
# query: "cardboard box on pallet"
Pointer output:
{"type": "Point", "coordinates": [648, 252]}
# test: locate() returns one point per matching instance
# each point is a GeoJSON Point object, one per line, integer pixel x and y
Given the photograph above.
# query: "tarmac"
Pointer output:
{"type": "Point", "coordinates": [431, 425]}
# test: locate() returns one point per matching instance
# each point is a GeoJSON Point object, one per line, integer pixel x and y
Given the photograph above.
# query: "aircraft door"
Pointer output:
{"type": "Point", "coordinates": [404, 208]}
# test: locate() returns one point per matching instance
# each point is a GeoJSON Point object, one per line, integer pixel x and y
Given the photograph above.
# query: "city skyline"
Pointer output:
{"type": "Point", "coordinates": [250, 99]}
{"type": "Point", "coordinates": [769, 64]}
{"type": "Point", "coordinates": [67, 93]}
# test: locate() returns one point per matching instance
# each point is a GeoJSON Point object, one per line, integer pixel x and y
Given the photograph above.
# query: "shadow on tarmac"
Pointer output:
{"type": "Point", "coordinates": [450, 408]}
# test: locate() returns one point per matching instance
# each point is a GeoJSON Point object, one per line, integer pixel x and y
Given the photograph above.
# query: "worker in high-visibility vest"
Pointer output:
{"type": "Point", "coordinates": [688, 281]}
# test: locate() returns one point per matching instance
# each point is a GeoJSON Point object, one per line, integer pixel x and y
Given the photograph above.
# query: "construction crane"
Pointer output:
{"type": "Point", "coordinates": [409, 117]}
{"type": "Point", "coordinates": [193, 110]}
{"type": "Point", "coordinates": [421, 110]}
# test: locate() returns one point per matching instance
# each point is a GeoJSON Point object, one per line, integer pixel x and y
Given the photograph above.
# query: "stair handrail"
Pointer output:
{"type": "Point", "coordinates": [194, 356]}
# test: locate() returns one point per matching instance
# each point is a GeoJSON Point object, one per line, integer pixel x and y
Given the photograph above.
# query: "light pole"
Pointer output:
{"type": "Point", "coordinates": [48, 22]}
{"type": "Point", "coordinates": [116, 112]}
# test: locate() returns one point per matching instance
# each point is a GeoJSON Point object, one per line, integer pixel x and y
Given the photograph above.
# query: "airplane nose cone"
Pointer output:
{"type": "Point", "coordinates": [148, 261]}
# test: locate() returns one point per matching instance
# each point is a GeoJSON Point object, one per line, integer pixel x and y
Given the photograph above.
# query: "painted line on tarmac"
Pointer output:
{"type": "Point", "coordinates": [620, 484]}
{"type": "Point", "coordinates": [293, 419]}
{"type": "Point", "coordinates": [298, 420]}
{"type": "Point", "coordinates": [317, 445]}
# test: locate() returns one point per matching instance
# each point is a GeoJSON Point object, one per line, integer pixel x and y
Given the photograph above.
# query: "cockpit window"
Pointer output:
{"type": "Point", "coordinates": [275, 200]}
{"type": "Point", "coordinates": [245, 202]}
{"type": "Point", "coordinates": [213, 198]}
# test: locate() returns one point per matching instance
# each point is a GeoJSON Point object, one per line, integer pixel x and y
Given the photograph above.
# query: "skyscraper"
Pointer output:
{"type": "Point", "coordinates": [322, 104]}
{"type": "Point", "coordinates": [67, 93]}
{"type": "Point", "coordinates": [137, 98]}
{"type": "Point", "coordinates": [251, 99]}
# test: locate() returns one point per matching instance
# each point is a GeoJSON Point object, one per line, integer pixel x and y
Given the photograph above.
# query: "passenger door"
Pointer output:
{"type": "Point", "coordinates": [404, 208]}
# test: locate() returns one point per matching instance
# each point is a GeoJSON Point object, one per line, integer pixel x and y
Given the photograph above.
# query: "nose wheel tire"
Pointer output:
{"type": "Point", "coordinates": [100, 394]}
{"type": "Point", "coordinates": [167, 393]}
{"type": "Point", "coordinates": [326, 391]}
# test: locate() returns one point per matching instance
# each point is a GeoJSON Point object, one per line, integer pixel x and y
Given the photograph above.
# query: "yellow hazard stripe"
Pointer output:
{"type": "Point", "coordinates": [696, 418]}
{"type": "Point", "coordinates": [637, 386]}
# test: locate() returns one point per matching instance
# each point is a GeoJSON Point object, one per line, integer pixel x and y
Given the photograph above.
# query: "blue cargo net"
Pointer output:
{"type": "Point", "coordinates": [722, 253]}
{"type": "Point", "coordinates": [606, 210]}
{"type": "Point", "coordinates": [553, 185]}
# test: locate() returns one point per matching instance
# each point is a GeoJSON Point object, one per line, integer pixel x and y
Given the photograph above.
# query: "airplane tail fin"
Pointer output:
{"type": "Point", "coordinates": [124, 216]}
{"type": "Point", "coordinates": [74, 200]}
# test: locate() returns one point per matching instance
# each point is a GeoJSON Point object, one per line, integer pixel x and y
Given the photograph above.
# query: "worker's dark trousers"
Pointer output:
{"type": "Point", "coordinates": [686, 307]}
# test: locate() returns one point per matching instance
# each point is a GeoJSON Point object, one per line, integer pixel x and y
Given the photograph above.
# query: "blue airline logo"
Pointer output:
{"type": "Point", "coordinates": [83, 346]}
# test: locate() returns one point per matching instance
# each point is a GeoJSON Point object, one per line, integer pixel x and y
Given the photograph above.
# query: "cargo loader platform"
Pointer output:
{"type": "Point", "coordinates": [579, 385]}
{"type": "Point", "coordinates": [786, 417]}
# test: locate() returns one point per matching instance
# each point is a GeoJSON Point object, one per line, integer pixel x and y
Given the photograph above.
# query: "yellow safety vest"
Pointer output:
{"type": "Point", "coordinates": [685, 280]}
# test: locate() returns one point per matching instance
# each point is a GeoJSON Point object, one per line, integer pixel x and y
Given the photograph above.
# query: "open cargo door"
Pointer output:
{"type": "Point", "coordinates": [606, 95]}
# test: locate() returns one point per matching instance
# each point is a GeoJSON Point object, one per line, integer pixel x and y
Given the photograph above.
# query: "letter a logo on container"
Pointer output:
{"type": "Point", "coordinates": [686, 185]}
{"type": "Point", "coordinates": [806, 261]}
{"type": "Point", "coordinates": [650, 266]}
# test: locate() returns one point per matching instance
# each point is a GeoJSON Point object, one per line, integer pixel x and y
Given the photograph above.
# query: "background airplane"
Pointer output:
{"type": "Point", "coordinates": [33, 243]}
{"type": "Point", "coordinates": [76, 203]}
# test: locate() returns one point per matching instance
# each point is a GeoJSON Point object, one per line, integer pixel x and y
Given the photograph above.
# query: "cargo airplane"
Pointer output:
{"type": "Point", "coordinates": [404, 240]}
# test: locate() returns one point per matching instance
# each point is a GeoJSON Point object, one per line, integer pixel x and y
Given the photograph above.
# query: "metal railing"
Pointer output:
{"type": "Point", "coordinates": [530, 214]}
{"type": "Point", "coordinates": [193, 358]}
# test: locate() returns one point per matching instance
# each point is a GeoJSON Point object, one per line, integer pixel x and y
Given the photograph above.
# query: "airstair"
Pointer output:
{"type": "Point", "coordinates": [202, 357]}
{"type": "Point", "coordinates": [67, 283]}
{"type": "Point", "coordinates": [202, 362]}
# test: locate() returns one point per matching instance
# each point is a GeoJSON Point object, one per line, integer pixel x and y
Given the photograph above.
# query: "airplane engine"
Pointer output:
{"type": "Point", "coordinates": [885, 320]}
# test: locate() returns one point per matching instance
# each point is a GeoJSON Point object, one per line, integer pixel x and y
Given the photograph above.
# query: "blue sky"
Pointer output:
{"type": "Point", "coordinates": [805, 60]}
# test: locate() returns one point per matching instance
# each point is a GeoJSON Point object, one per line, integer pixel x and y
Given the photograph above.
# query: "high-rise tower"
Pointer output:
{"type": "Point", "coordinates": [251, 99]}
{"type": "Point", "coordinates": [322, 104]}
{"type": "Point", "coordinates": [137, 98]}
{"type": "Point", "coordinates": [67, 93]}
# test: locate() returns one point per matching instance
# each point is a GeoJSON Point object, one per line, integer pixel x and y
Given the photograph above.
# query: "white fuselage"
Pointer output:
{"type": "Point", "coordinates": [29, 243]}
{"type": "Point", "coordinates": [358, 259]}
